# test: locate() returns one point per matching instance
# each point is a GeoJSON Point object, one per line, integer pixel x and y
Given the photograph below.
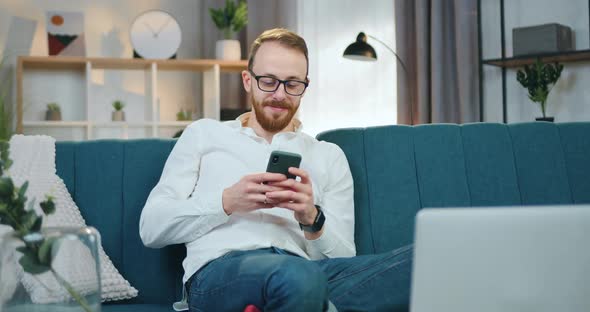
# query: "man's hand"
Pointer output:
{"type": "Point", "coordinates": [249, 193]}
{"type": "Point", "coordinates": [296, 196]}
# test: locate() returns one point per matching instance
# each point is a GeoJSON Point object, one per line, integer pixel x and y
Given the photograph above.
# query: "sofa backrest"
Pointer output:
{"type": "Point", "coordinates": [398, 170]}
{"type": "Point", "coordinates": [110, 181]}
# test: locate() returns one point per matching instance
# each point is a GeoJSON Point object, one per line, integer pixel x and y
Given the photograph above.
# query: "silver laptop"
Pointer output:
{"type": "Point", "coordinates": [502, 259]}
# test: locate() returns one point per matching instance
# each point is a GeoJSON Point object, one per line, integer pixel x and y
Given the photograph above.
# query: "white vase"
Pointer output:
{"type": "Point", "coordinates": [118, 116]}
{"type": "Point", "coordinates": [228, 50]}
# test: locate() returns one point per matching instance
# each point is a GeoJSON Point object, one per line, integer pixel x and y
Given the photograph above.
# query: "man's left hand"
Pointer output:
{"type": "Point", "coordinates": [296, 196]}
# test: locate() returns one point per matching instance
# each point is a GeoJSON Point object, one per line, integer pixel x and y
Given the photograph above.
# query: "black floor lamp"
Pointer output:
{"type": "Point", "coordinates": [360, 50]}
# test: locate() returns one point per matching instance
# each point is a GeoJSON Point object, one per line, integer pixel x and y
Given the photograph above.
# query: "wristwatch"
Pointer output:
{"type": "Point", "coordinates": [318, 223]}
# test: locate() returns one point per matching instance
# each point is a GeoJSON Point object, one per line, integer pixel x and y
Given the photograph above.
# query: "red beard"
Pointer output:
{"type": "Point", "coordinates": [269, 122]}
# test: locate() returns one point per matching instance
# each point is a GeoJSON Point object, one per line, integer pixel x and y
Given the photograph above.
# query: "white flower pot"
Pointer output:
{"type": "Point", "coordinates": [118, 116]}
{"type": "Point", "coordinates": [228, 50]}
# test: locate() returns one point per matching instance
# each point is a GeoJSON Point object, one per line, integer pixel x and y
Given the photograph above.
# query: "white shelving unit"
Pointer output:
{"type": "Point", "coordinates": [89, 127]}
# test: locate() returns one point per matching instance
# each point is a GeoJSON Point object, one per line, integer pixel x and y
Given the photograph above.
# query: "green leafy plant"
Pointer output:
{"type": "Point", "coordinates": [183, 115]}
{"type": "Point", "coordinates": [36, 250]}
{"type": "Point", "coordinates": [230, 19]}
{"type": "Point", "coordinates": [53, 107]}
{"type": "Point", "coordinates": [118, 105]}
{"type": "Point", "coordinates": [5, 103]}
{"type": "Point", "coordinates": [539, 79]}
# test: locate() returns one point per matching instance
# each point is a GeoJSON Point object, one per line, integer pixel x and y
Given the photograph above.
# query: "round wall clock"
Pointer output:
{"type": "Point", "coordinates": [155, 34]}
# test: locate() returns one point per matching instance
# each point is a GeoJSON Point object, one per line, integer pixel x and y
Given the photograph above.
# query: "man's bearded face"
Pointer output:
{"type": "Point", "coordinates": [273, 115]}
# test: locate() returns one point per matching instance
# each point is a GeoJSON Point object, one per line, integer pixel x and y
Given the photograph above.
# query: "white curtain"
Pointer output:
{"type": "Point", "coordinates": [346, 93]}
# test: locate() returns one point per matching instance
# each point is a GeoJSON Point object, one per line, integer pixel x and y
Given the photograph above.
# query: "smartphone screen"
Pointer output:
{"type": "Point", "coordinates": [280, 162]}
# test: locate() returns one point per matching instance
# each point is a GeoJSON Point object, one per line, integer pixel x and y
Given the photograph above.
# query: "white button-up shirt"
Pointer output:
{"type": "Point", "coordinates": [185, 207]}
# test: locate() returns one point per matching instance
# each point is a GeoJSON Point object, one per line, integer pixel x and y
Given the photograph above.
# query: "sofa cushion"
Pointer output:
{"type": "Point", "coordinates": [440, 166]}
{"type": "Point", "coordinates": [489, 164]}
{"type": "Point", "coordinates": [575, 140]}
{"type": "Point", "coordinates": [392, 185]}
{"type": "Point", "coordinates": [110, 181]}
{"type": "Point", "coordinates": [351, 141]}
{"type": "Point", "coordinates": [540, 164]}
{"type": "Point", "coordinates": [398, 170]}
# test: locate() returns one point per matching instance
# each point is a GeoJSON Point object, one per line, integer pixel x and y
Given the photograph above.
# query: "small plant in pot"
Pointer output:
{"type": "Point", "coordinates": [229, 20]}
{"type": "Point", "coordinates": [183, 115]}
{"type": "Point", "coordinates": [118, 114]}
{"type": "Point", "coordinates": [539, 79]}
{"type": "Point", "coordinates": [53, 112]}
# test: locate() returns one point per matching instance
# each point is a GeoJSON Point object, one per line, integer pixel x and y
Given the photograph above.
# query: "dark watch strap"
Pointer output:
{"type": "Point", "coordinates": [318, 223]}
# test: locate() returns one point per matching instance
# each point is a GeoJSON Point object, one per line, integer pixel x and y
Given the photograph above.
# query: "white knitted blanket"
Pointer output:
{"type": "Point", "coordinates": [34, 161]}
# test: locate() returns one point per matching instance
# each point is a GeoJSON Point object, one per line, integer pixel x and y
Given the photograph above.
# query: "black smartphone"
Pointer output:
{"type": "Point", "coordinates": [280, 162]}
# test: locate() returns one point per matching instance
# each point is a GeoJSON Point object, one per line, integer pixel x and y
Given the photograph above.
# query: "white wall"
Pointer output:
{"type": "Point", "coordinates": [569, 99]}
{"type": "Point", "coordinates": [342, 92]}
{"type": "Point", "coordinates": [107, 24]}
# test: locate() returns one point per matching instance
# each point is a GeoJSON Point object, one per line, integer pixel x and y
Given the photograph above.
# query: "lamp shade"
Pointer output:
{"type": "Point", "coordinates": [360, 50]}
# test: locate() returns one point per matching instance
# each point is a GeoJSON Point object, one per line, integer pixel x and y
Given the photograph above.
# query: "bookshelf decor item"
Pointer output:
{"type": "Point", "coordinates": [118, 114]}
{"type": "Point", "coordinates": [53, 112]}
{"type": "Point", "coordinates": [65, 33]}
{"type": "Point", "coordinates": [155, 35]}
{"type": "Point", "coordinates": [546, 38]}
{"type": "Point", "coordinates": [230, 20]}
{"type": "Point", "coordinates": [538, 79]}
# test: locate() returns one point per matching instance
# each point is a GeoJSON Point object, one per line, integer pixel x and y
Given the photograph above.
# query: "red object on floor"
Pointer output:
{"type": "Point", "coordinates": [251, 308]}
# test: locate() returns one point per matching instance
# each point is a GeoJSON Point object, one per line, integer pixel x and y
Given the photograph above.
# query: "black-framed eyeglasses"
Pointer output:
{"type": "Point", "coordinates": [271, 84]}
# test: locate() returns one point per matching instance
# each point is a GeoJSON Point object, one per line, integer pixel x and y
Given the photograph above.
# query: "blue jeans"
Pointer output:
{"type": "Point", "coordinates": [276, 280]}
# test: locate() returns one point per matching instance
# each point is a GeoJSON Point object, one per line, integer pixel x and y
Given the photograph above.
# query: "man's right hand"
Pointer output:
{"type": "Point", "coordinates": [250, 193]}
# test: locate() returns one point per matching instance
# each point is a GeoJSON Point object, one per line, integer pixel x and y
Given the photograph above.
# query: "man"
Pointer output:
{"type": "Point", "coordinates": [250, 235]}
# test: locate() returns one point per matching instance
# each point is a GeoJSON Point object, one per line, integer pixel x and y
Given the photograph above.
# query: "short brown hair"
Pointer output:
{"type": "Point", "coordinates": [283, 36]}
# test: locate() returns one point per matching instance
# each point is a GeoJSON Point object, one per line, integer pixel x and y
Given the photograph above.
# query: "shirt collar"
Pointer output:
{"type": "Point", "coordinates": [243, 119]}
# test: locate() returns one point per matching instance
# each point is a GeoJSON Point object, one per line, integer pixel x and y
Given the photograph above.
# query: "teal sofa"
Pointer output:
{"type": "Point", "coordinates": [397, 171]}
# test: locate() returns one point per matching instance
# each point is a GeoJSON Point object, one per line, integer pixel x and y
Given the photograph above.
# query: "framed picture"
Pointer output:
{"type": "Point", "coordinates": [65, 33]}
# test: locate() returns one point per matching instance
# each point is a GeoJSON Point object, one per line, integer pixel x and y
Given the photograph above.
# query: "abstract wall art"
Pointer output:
{"type": "Point", "coordinates": [65, 33]}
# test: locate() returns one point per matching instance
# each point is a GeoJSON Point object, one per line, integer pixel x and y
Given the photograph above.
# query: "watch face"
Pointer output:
{"type": "Point", "coordinates": [155, 34]}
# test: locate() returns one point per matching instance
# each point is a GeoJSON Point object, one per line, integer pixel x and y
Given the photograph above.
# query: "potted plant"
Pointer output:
{"type": "Point", "coordinates": [118, 114]}
{"type": "Point", "coordinates": [53, 112]}
{"type": "Point", "coordinates": [539, 79]}
{"type": "Point", "coordinates": [5, 105]}
{"type": "Point", "coordinates": [229, 20]}
{"type": "Point", "coordinates": [183, 115]}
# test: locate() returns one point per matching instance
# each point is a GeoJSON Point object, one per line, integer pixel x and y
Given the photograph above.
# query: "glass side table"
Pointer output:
{"type": "Point", "coordinates": [54, 270]}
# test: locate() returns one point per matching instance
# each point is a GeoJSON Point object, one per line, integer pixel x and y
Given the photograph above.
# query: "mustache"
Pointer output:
{"type": "Point", "coordinates": [280, 104]}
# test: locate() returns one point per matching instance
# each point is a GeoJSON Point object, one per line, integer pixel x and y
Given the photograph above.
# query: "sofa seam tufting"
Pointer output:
{"type": "Point", "coordinates": [412, 136]}
{"type": "Point", "coordinates": [508, 130]}
{"type": "Point", "coordinates": [559, 135]}
{"type": "Point", "coordinates": [370, 213]}
{"type": "Point", "coordinates": [122, 213]}
{"type": "Point", "coordinates": [465, 167]}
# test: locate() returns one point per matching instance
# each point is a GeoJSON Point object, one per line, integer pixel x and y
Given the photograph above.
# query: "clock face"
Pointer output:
{"type": "Point", "coordinates": [155, 34]}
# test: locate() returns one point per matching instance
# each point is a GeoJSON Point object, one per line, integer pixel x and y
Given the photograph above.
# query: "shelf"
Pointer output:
{"type": "Point", "coordinates": [118, 124]}
{"type": "Point", "coordinates": [210, 71]}
{"type": "Point", "coordinates": [108, 124]}
{"type": "Point", "coordinates": [115, 124]}
{"type": "Point", "coordinates": [79, 63]}
{"type": "Point", "coordinates": [519, 61]}
{"type": "Point", "coordinates": [55, 123]}
{"type": "Point", "coordinates": [175, 123]}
